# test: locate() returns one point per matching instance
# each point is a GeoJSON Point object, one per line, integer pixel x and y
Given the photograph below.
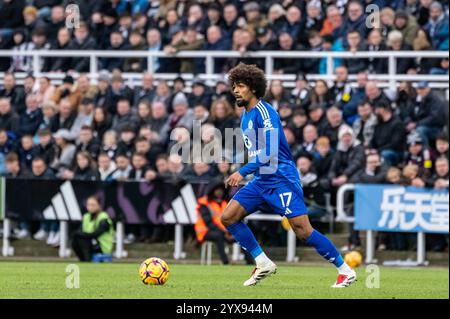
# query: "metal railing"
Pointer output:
{"type": "Point", "coordinates": [388, 80]}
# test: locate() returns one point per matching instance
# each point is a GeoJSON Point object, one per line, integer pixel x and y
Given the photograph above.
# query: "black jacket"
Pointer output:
{"type": "Point", "coordinates": [389, 135]}
{"type": "Point", "coordinates": [9, 122]}
{"type": "Point", "coordinates": [56, 124]}
{"type": "Point", "coordinates": [48, 153]}
{"type": "Point", "coordinates": [29, 122]}
{"type": "Point", "coordinates": [347, 163]}
{"type": "Point", "coordinates": [16, 97]}
{"type": "Point", "coordinates": [80, 64]}
{"type": "Point", "coordinates": [429, 112]}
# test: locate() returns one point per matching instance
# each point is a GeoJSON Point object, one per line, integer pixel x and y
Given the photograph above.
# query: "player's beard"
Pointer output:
{"type": "Point", "coordinates": [242, 102]}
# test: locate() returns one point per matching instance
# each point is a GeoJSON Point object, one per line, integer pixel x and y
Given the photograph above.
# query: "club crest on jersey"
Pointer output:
{"type": "Point", "coordinates": [250, 124]}
{"type": "Point", "coordinates": [267, 124]}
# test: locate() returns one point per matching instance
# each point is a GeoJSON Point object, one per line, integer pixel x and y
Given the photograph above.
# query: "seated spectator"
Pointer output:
{"type": "Point", "coordinates": [64, 119]}
{"type": "Point", "coordinates": [209, 227]}
{"type": "Point", "coordinates": [119, 92]}
{"type": "Point", "coordinates": [200, 94]}
{"type": "Point", "coordinates": [348, 159]}
{"type": "Point", "coordinates": [67, 90]}
{"type": "Point", "coordinates": [288, 66]}
{"type": "Point", "coordinates": [437, 27]}
{"type": "Point", "coordinates": [373, 173]}
{"type": "Point", "coordinates": [117, 44]}
{"type": "Point", "coordinates": [45, 91]}
{"type": "Point", "coordinates": [407, 25]}
{"type": "Point", "coordinates": [13, 92]}
{"type": "Point", "coordinates": [294, 147]}
{"type": "Point", "coordinates": [96, 234]}
{"type": "Point", "coordinates": [26, 151]}
{"type": "Point", "coordinates": [66, 151]}
{"type": "Point", "coordinates": [9, 120]}
{"type": "Point", "coordinates": [101, 122]}
{"type": "Point", "coordinates": [375, 95]}
{"type": "Point", "coordinates": [13, 167]}
{"type": "Point", "coordinates": [343, 92]}
{"type": "Point", "coordinates": [106, 167]}
{"type": "Point", "coordinates": [30, 120]}
{"type": "Point", "coordinates": [60, 64]}
{"type": "Point", "coordinates": [309, 138]}
{"type": "Point", "coordinates": [126, 142]}
{"type": "Point", "coordinates": [317, 116]}
{"type": "Point", "coordinates": [82, 41]}
{"type": "Point", "coordinates": [285, 111]}
{"type": "Point", "coordinates": [375, 43]}
{"type": "Point", "coordinates": [355, 19]}
{"type": "Point", "coordinates": [87, 142]}
{"type": "Point", "coordinates": [85, 115]}
{"type": "Point", "coordinates": [354, 44]}
{"type": "Point", "coordinates": [300, 96]}
{"type": "Point", "coordinates": [420, 155]}
{"type": "Point", "coordinates": [321, 95]}
{"type": "Point", "coordinates": [389, 135]}
{"type": "Point", "coordinates": [7, 144]}
{"type": "Point", "coordinates": [85, 168]}
{"type": "Point", "coordinates": [104, 96]}
{"type": "Point", "coordinates": [323, 156]}
{"type": "Point", "coordinates": [124, 117]}
{"type": "Point", "coordinates": [46, 149]}
{"type": "Point", "coordinates": [146, 91]}
{"type": "Point", "coordinates": [123, 169]}
{"type": "Point", "coordinates": [411, 176]}
{"type": "Point", "coordinates": [427, 117]}
{"type": "Point", "coordinates": [312, 189]}
{"type": "Point", "coordinates": [139, 164]}
{"type": "Point", "coordinates": [396, 42]}
{"type": "Point", "coordinates": [364, 126]}
{"type": "Point", "coordinates": [277, 94]}
{"type": "Point", "coordinates": [109, 143]}
{"type": "Point", "coordinates": [406, 99]}
{"type": "Point", "coordinates": [440, 178]}
{"type": "Point", "coordinates": [332, 126]}
{"type": "Point", "coordinates": [297, 122]}
{"type": "Point", "coordinates": [442, 148]}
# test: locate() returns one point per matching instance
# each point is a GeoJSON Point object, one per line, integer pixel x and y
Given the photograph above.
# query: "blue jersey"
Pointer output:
{"type": "Point", "coordinates": [270, 159]}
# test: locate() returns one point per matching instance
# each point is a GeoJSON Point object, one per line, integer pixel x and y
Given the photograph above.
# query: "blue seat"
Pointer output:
{"type": "Point", "coordinates": [102, 258]}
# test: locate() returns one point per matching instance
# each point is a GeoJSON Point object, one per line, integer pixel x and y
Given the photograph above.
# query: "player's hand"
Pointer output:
{"type": "Point", "coordinates": [234, 179]}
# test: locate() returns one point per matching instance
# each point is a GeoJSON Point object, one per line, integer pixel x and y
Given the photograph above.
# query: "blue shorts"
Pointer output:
{"type": "Point", "coordinates": [285, 200]}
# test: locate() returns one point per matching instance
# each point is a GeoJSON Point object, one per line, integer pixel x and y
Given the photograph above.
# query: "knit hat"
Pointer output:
{"type": "Point", "coordinates": [345, 129]}
{"type": "Point", "coordinates": [180, 98]}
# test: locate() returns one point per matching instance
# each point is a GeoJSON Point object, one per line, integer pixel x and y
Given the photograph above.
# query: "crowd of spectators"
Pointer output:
{"type": "Point", "coordinates": [111, 131]}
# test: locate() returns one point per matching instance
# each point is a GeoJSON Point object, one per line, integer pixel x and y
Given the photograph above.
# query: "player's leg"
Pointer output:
{"type": "Point", "coordinates": [324, 247]}
{"type": "Point", "coordinates": [245, 202]}
{"type": "Point", "coordinates": [232, 220]}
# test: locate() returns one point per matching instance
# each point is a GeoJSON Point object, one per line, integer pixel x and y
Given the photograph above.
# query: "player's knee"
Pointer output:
{"type": "Point", "coordinates": [226, 221]}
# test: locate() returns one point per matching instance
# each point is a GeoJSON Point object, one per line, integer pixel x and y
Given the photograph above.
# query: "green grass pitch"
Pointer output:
{"type": "Point", "coordinates": [121, 280]}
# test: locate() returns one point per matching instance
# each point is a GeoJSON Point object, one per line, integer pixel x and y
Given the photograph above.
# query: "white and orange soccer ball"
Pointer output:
{"type": "Point", "coordinates": [154, 271]}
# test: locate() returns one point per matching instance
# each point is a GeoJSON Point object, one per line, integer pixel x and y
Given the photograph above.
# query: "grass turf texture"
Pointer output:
{"type": "Point", "coordinates": [48, 280]}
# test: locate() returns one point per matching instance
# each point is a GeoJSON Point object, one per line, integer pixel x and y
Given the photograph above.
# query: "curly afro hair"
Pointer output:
{"type": "Point", "coordinates": [250, 75]}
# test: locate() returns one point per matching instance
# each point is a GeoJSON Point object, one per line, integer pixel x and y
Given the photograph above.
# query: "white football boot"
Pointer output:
{"type": "Point", "coordinates": [259, 274]}
{"type": "Point", "coordinates": [345, 280]}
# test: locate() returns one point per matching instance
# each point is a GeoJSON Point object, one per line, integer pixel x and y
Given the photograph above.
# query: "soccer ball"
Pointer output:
{"type": "Point", "coordinates": [353, 259]}
{"type": "Point", "coordinates": [154, 271]}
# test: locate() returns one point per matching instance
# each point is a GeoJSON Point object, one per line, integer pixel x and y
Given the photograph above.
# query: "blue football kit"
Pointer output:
{"type": "Point", "coordinates": [276, 186]}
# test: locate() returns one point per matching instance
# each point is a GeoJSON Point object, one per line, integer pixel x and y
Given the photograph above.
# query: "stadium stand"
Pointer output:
{"type": "Point", "coordinates": [68, 112]}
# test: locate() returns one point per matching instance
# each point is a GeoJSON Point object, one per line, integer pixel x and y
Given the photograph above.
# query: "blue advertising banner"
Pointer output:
{"type": "Point", "coordinates": [401, 209]}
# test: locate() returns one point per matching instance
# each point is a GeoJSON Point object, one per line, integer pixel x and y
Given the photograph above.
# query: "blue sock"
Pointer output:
{"type": "Point", "coordinates": [245, 238]}
{"type": "Point", "coordinates": [325, 248]}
